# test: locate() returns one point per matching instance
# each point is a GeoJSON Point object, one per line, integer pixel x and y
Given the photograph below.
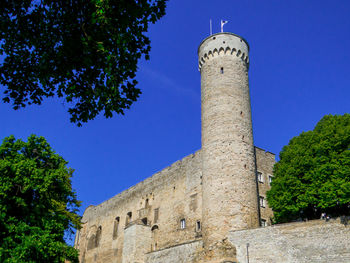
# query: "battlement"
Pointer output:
{"type": "Point", "coordinates": [223, 44]}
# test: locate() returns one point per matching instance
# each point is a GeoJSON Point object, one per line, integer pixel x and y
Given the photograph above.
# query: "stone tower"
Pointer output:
{"type": "Point", "coordinates": [229, 172]}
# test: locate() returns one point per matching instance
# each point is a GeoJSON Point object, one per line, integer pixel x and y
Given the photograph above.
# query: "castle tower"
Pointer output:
{"type": "Point", "coordinates": [229, 181]}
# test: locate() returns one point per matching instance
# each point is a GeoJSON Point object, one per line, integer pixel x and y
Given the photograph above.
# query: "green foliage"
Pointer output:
{"type": "Point", "coordinates": [37, 204]}
{"type": "Point", "coordinates": [85, 51]}
{"type": "Point", "coordinates": [313, 174]}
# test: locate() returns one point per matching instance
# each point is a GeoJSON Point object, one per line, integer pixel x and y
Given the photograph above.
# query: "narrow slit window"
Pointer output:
{"type": "Point", "coordinates": [128, 218]}
{"type": "Point", "coordinates": [222, 70]}
{"type": "Point", "coordinates": [198, 226]}
{"type": "Point", "coordinates": [115, 227]}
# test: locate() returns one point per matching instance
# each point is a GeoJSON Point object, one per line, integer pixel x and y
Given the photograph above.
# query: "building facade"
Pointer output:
{"type": "Point", "coordinates": [185, 212]}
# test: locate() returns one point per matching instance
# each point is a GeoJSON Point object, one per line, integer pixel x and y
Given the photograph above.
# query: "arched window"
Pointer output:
{"type": "Point", "coordinates": [154, 230]}
{"type": "Point", "coordinates": [98, 235]}
{"type": "Point", "coordinates": [128, 218]}
{"type": "Point", "coordinates": [115, 227]}
{"type": "Point", "coordinates": [155, 227]}
{"type": "Point", "coordinates": [94, 237]}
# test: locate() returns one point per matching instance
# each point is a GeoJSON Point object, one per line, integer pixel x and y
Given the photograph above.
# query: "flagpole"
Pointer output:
{"type": "Point", "coordinates": [211, 28]}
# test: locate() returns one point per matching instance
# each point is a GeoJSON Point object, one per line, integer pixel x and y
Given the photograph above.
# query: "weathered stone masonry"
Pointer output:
{"type": "Point", "coordinates": [173, 194]}
{"type": "Point", "coordinates": [316, 241]}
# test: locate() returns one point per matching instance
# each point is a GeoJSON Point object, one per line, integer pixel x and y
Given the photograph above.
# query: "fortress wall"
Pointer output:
{"type": "Point", "coordinates": [265, 162]}
{"type": "Point", "coordinates": [175, 192]}
{"type": "Point", "coordinates": [315, 241]}
{"type": "Point", "coordinates": [179, 254]}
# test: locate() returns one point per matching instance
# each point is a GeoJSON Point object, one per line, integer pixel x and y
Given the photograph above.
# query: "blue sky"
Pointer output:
{"type": "Point", "coordinates": [299, 72]}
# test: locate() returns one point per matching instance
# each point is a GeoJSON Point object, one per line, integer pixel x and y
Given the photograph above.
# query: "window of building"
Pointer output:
{"type": "Point", "coordinates": [270, 179]}
{"type": "Point", "coordinates": [156, 215]}
{"type": "Point", "coordinates": [144, 221]}
{"type": "Point", "coordinates": [183, 223]}
{"type": "Point", "coordinates": [98, 236]}
{"type": "Point", "coordinates": [260, 177]}
{"type": "Point", "coordinates": [263, 223]}
{"type": "Point", "coordinates": [198, 226]}
{"type": "Point", "coordinates": [222, 70]}
{"type": "Point", "coordinates": [115, 227]}
{"type": "Point", "coordinates": [146, 203]}
{"type": "Point", "coordinates": [154, 230]}
{"type": "Point", "coordinates": [262, 201]}
{"type": "Point", "coordinates": [128, 218]}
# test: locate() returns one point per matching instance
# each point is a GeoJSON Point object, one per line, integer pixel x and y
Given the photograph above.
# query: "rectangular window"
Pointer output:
{"type": "Point", "coordinates": [263, 223]}
{"type": "Point", "coordinates": [262, 201]}
{"type": "Point", "coordinates": [260, 177]}
{"type": "Point", "coordinates": [270, 179]}
{"type": "Point", "coordinates": [182, 223]}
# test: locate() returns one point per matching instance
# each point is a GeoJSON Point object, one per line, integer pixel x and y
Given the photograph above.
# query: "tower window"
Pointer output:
{"type": "Point", "coordinates": [222, 70]}
{"type": "Point", "coordinates": [183, 223]}
{"type": "Point", "coordinates": [260, 177]}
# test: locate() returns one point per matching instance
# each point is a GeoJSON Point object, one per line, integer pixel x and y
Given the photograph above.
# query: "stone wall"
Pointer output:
{"type": "Point", "coordinates": [173, 194]}
{"type": "Point", "coordinates": [178, 254]}
{"type": "Point", "coordinates": [160, 202]}
{"type": "Point", "coordinates": [314, 241]}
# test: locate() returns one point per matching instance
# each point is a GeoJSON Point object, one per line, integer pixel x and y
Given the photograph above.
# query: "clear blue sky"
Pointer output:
{"type": "Point", "coordinates": [299, 72]}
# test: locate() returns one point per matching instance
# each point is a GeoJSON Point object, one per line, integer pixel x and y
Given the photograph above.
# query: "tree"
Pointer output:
{"type": "Point", "coordinates": [313, 173]}
{"type": "Point", "coordinates": [37, 204]}
{"type": "Point", "coordinates": [85, 51]}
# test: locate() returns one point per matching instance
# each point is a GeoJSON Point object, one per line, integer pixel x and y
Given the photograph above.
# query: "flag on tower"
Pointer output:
{"type": "Point", "coordinates": [223, 22]}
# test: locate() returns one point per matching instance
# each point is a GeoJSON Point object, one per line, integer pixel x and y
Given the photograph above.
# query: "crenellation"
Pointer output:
{"type": "Point", "coordinates": [223, 44]}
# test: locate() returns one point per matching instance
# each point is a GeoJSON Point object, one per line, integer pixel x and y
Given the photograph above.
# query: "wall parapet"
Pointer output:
{"type": "Point", "coordinates": [223, 44]}
{"type": "Point", "coordinates": [148, 184]}
{"type": "Point", "coordinates": [303, 242]}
